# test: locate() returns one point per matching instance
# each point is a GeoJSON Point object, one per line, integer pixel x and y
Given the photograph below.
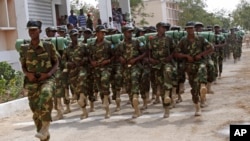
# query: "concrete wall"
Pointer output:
{"type": "Point", "coordinates": [152, 7]}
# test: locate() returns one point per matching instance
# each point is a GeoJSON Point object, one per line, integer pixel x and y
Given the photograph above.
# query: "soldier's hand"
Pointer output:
{"type": "Point", "coordinates": [197, 57]}
{"type": "Point", "coordinates": [31, 77]}
{"type": "Point", "coordinates": [43, 76]}
{"type": "Point", "coordinates": [190, 58]}
{"type": "Point", "coordinates": [122, 60]}
{"type": "Point", "coordinates": [105, 62]}
{"type": "Point", "coordinates": [131, 61]}
{"type": "Point", "coordinates": [71, 65]}
{"type": "Point", "coordinates": [94, 63]}
{"type": "Point", "coordinates": [153, 61]}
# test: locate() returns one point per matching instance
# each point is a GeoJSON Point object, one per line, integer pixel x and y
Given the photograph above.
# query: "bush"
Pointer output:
{"type": "Point", "coordinates": [11, 83]}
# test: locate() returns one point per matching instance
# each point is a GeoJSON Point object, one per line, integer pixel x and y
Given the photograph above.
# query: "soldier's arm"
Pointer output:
{"type": "Point", "coordinates": [208, 49]}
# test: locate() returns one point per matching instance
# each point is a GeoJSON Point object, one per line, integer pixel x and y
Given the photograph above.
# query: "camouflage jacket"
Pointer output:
{"type": "Point", "coordinates": [193, 48]}
{"type": "Point", "coordinates": [38, 59]}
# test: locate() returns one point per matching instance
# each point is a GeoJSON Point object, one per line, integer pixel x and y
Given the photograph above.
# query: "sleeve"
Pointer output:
{"type": "Point", "coordinates": [206, 44]}
{"type": "Point", "coordinates": [179, 46]}
{"type": "Point", "coordinates": [172, 46]}
{"type": "Point", "coordinates": [22, 56]}
{"type": "Point", "coordinates": [54, 57]}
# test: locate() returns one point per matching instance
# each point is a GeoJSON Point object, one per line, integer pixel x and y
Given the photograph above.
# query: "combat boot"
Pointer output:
{"type": "Point", "coordinates": [167, 99]}
{"type": "Point", "coordinates": [181, 88]}
{"type": "Point", "coordinates": [157, 99]}
{"type": "Point", "coordinates": [179, 99]}
{"type": "Point", "coordinates": [96, 96]}
{"type": "Point", "coordinates": [59, 110]}
{"type": "Point", "coordinates": [166, 112]}
{"type": "Point", "coordinates": [118, 101]}
{"type": "Point", "coordinates": [106, 106]}
{"type": "Point", "coordinates": [203, 92]}
{"type": "Point", "coordinates": [67, 109]}
{"type": "Point", "coordinates": [209, 88]}
{"type": "Point", "coordinates": [135, 103]}
{"type": "Point", "coordinates": [44, 132]}
{"type": "Point", "coordinates": [92, 108]}
{"type": "Point", "coordinates": [82, 103]}
{"type": "Point", "coordinates": [197, 109]}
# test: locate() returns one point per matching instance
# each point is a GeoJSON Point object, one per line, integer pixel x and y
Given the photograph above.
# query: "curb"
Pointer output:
{"type": "Point", "coordinates": [10, 108]}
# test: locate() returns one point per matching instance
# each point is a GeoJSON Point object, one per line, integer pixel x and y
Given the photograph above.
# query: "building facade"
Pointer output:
{"type": "Point", "coordinates": [162, 10]}
{"type": "Point", "coordinates": [14, 16]}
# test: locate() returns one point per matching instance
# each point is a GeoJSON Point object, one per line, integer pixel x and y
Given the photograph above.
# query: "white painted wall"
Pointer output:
{"type": "Point", "coordinates": [105, 8]}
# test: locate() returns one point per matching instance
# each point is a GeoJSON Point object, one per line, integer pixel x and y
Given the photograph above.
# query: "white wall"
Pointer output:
{"type": "Point", "coordinates": [22, 18]}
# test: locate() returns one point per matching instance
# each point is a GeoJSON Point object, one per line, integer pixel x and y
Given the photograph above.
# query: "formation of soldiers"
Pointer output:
{"type": "Point", "coordinates": [136, 60]}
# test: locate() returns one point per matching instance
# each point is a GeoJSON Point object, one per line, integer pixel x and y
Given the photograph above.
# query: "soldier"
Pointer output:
{"type": "Point", "coordinates": [39, 63]}
{"type": "Point", "coordinates": [220, 42]}
{"type": "Point", "coordinates": [50, 31]}
{"type": "Point", "coordinates": [161, 48]}
{"type": "Point", "coordinates": [100, 56]}
{"type": "Point", "coordinates": [62, 31]}
{"type": "Point", "coordinates": [75, 59]}
{"type": "Point", "coordinates": [209, 64]}
{"type": "Point", "coordinates": [193, 49]}
{"type": "Point", "coordinates": [232, 42]}
{"type": "Point", "coordinates": [130, 53]}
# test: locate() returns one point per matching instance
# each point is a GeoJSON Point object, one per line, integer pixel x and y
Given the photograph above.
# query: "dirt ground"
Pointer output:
{"type": "Point", "coordinates": [229, 105]}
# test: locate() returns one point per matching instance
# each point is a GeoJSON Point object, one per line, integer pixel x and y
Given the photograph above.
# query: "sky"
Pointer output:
{"type": "Point", "coordinates": [215, 5]}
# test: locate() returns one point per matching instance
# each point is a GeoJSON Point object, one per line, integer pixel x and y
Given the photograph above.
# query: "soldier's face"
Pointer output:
{"type": "Point", "coordinates": [128, 34]}
{"type": "Point", "coordinates": [190, 30]}
{"type": "Point", "coordinates": [34, 33]}
{"type": "Point", "coordinates": [74, 38]}
{"type": "Point", "coordinates": [100, 34]}
{"type": "Point", "coordinates": [161, 29]}
{"type": "Point", "coordinates": [51, 34]}
{"type": "Point", "coordinates": [86, 35]}
{"type": "Point", "coordinates": [61, 33]}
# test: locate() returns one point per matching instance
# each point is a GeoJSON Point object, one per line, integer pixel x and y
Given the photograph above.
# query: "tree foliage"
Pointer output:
{"type": "Point", "coordinates": [194, 10]}
{"type": "Point", "coordinates": [241, 15]}
{"type": "Point", "coordinates": [11, 82]}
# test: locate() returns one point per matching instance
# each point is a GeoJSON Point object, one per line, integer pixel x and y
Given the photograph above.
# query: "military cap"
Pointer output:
{"type": "Point", "coordinates": [198, 24]}
{"type": "Point", "coordinates": [100, 28]}
{"type": "Point", "coordinates": [189, 24]}
{"type": "Point", "coordinates": [163, 24]}
{"type": "Point", "coordinates": [112, 29]}
{"type": "Point", "coordinates": [51, 28]}
{"type": "Point", "coordinates": [151, 28]}
{"type": "Point", "coordinates": [34, 24]}
{"type": "Point", "coordinates": [80, 29]}
{"type": "Point", "coordinates": [73, 32]}
{"type": "Point", "coordinates": [209, 27]}
{"type": "Point", "coordinates": [216, 25]}
{"type": "Point", "coordinates": [141, 29]}
{"type": "Point", "coordinates": [174, 27]}
{"type": "Point", "coordinates": [127, 28]}
{"type": "Point", "coordinates": [87, 30]}
{"type": "Point", "coordinates": [61, 28]}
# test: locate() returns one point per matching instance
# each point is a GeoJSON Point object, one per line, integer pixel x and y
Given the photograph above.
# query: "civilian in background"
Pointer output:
{"type": "Point", "coordinates": [81, 19]}
{"type": "Point", "coordinates": [72, 18]}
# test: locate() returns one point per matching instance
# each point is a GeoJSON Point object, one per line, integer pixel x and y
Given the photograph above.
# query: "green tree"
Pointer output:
{"type": "Point", "coordinates": [241, 15]}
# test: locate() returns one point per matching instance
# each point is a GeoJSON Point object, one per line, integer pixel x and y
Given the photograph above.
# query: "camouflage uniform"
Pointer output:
{"type": "Point", "coordinates": [232, 43]}
{"type": "Point", "coordinates": [218, 54]}
{"type": "Point", "coordinates": [197, 72]}
{"type": "Point", "coordinates": [101, 73]}
{"type": "Point", "coordinates": [162, 73]}
{"type": "Point", "coordinates": [39, 60]}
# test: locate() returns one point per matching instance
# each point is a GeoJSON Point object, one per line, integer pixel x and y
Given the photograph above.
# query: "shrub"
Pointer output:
{"type": "Point", "coordinates": [11, 82]}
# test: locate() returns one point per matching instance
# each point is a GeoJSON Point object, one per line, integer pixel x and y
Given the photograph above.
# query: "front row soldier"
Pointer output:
{"type": "Point", "coordinates": [130, 53]}
{"type": "Point", "coordinates": [194, 49]}
{"type": "Point", "coordinates": [100, 56]}
{"type": "Point", "coordinates": [161, 49]}
{"type": "Point", "coordinates": [75, 60]}
{"type": "Point", "coordinates": [39, 63]}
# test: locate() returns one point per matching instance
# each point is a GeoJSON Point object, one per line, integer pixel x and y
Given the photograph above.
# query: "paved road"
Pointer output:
{"type": "Point", "coordinates": [229, 105]}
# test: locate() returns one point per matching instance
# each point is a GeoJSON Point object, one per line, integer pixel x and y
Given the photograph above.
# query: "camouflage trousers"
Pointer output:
{"type": "Point", "coordinates": [163, 79]}
{"type": "Point", "coordinates": [60, 83]}
{"type": "Point", "coordinates": [145, 80]}
{"type": "Point", "coordinates": [237, 50]}
{"type": "Point", "coordinates": [227, 51]}
{"type": "Point", "coordinates": [132, 76]}
{"type": "Point", "coordinates": [197, 74]}
{"type": "Point", "coordinates": [82, 86]}
{"type": "Point", "coordinates": [40, 100]}
{"type": "Point", "coordinates": [91, 85]}
{"type": "Point", "coordinates": [211, 73]}
{"type": "Point", "coordinates": [214, 58]}
{"type": "Point", "coordinates": [102, 80]}
{"type": "Point", "coordinates": [220, 54]}
{"type": "Point", "coordinates": [116, 79]}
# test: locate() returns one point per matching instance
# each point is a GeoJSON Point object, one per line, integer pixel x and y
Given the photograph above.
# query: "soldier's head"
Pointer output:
{"type": "Point", "coordinates": [112, 31]}
{"type": "Point", "coordinates": [61, 30]}
{"type": "Point", "coordinates": [209, 28]}
{"type": "Point", "coordinates": [87, 33]}
{"type": "Point", "coordinates": [51, 31]}
{"type": "Point", "coordinates": [189, 27]}
{"type": "Point", "coordinates": [198, 26]}
{"type": "Point", "coordinates": [127, 32]}
{"type": "Point", "coordinates": [162, 27]}
{"type": "Point", "coordinates": [232, 30]}
{"type": "Point", "coordinates": [175, 27]}
{"type": "Point", "coordinates": [34, 28]}
{"type": "Point", "coordinates": [140, 32]}
{"type": "Point", "coordinates": [74, 35]}
{"type": "Point", "coordinates": [216, 28]}
{"type": "Point", "coordinates": [100, 31]}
